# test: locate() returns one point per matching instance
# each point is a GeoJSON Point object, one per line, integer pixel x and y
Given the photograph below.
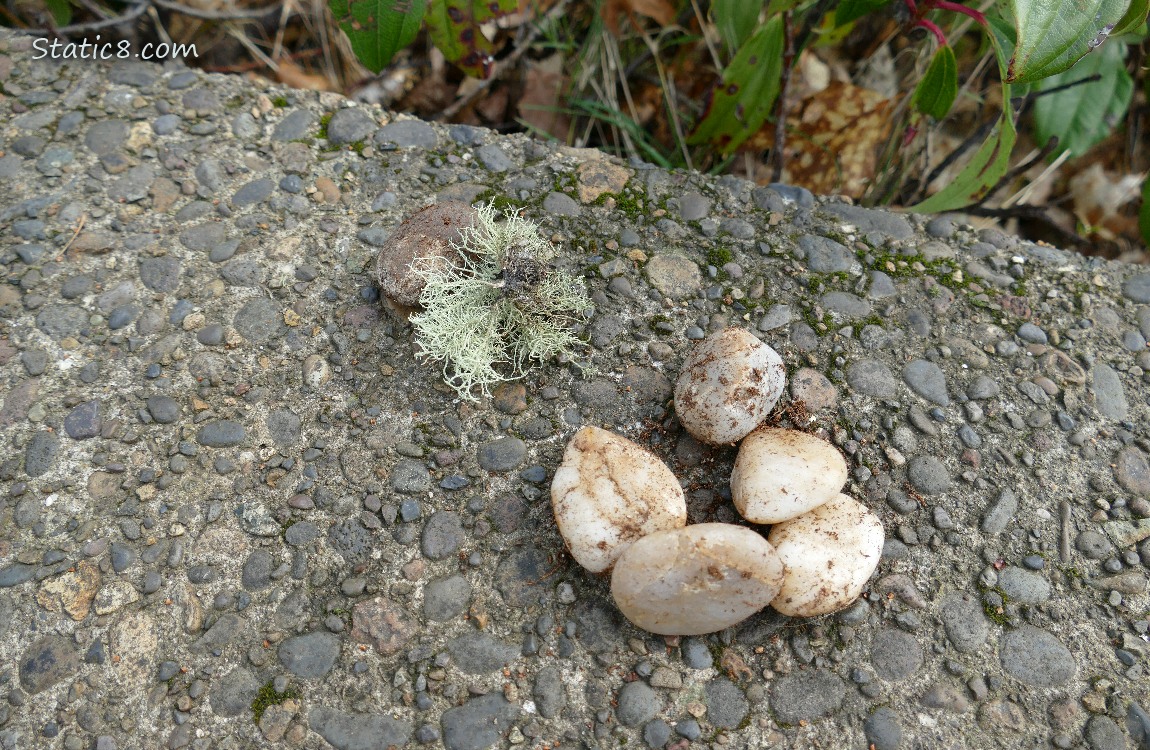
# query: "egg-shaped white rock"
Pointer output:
{"type": "Point", "coordinates": [829, 554]}
{"type": "Point", "coordinates": [728, 385]}
{"type": "Point", "coordinates": [780, 474]}
{"type": "Point", "coordinates": [608, 492]}
{"type": "Point", "coordinates": [697, 579]}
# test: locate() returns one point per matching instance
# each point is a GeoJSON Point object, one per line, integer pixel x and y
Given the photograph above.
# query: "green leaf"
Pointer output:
{"type": "Point", "coordinates": [454, 28]}
{"type": "Point", "coordinates": [377, 29]}
{"type": "Point", "coordinates": [938, 88]}
{"type": "Point", "coordinates": [736, 20]}
{"type": "Point", "coordinates": [61, 11]}
{"type": "Point", "coordinates": [1052, 36]}
{"type": "Point", "coordinates": [1002, 37]}
{"type": "Point", "coordinates": [1083, 115]}
{"type": "Point", "coordinates": [1144, 213]}
{"type": "Point", "coordinates": [982, 172]}
{"type": "Point", "coordinates": [852, 10]}
{"type": "Point", "coordinates": [740, 104]}
{"type": "Point", "coordinates": [778, 6]}
{"type": "Point", "coordinates": [1134, 18]}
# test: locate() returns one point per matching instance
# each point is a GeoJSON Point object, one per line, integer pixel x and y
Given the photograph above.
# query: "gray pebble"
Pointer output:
{"type": "Point", "coordinates": [1036, 657]}
{"type": "Point", "coordinates": [407, 134]}
{"type": "Point", "coordinates": [311, 655]}
{"type": "Point", "coordinates": [883, 730]}
{"type": "Point", "coordinates": [964, 622]}
{"type": "Point", "coordinates": [927, 380]}
{"type": "Point", "coordinates": [481, 653]}
{"type": "Point", "coordinates": [824, 255]}
{"type": "Point", "coordinates": [928, 475]}
{"type": "Point", "coordinates": [410, 477]}
{"type": "Point", "coordinates": [1110, 399]}
{"type": "Point", "coordinates": [40, 453]}
{"type": "Point", "coordinates": [479, 723]}
{"type": "Point", "coordinates": [442, 535]}
{"type": "Point", "coordinates": [727, 706]}
{"type": "Point", "coordinates": [871, 377]}
{"type": "Point", "coordinates": [895, 655]}
{"type": "Point", "coordinates": [349, 125]}
{"type": "Point", "coordinates": [561, 204]}
{"type": "Point", "coordinates": [358, 731]}
{"type": "Point", "coordinates": [446, 598]}
{"type": "Point", "coordinates": [1000, 513]}
{"type": "Point", "coordinates": [636, 704]}
{"type": "Point", "coordinates": [502, 454]}
{"type": "Point", "coordinates": [494, 158]}
{"type": "Point", "coordinates": [221, 433]}
{"type": "Point", "coordinates": [806, 695]}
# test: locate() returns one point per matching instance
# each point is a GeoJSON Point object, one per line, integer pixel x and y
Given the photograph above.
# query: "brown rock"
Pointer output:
{"type": "Point", "coordinates": [18, 401]}
{"type": "Point", "coordinates": [72, 592]}
{"type": "Point", "coordinates": [328, 189]}
{"type": "Point", "coordinates": [599, 175]}
{"type": "Point", "coordinates": [381, 623]}
{"type": "Point", "coordinates": [427, 233]}
{"type": "Point", "coordinates": [98, 241]}
{"type": "Point", "coordinates": [1060, 368]}
{"type": "Point", "coordinates": [1132, 470]}
{"type": "Point", "coordinates": [103, 485]}
{"type": "Point", "coordinates": [814, 390]}
{"type": "Point", "coordinates": [509, 398]}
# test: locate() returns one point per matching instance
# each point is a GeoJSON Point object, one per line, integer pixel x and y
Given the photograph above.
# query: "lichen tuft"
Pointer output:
{"type": "Point", "coordinates": [500, 309]}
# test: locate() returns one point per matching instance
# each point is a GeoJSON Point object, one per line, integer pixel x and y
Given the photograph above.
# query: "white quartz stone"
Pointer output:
{"type": "Point", "coordinates": [694, 580]}
{"type": "Point", "coordinates": [728, 385]}
{"type": "Point", "coordinates": [780, 474]}
{"type": "Point", "coordinates": [609, 492]}
{"type": "Point", "coordinates": [829, 554]}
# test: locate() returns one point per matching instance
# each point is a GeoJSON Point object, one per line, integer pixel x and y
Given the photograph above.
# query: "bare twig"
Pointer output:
{"type": "Point", "coordinates": [1025, 164]}
{"type": "Point", "coordinates": [131, 14]}
{"type": "Point", "coordinates": [782, 106]}
{"type": "Point", "coordinates": [1065, 237]}
{"type": "Point", "coordinates": [502, 66]}
{"type": "Point", "coordinates": [214, 15]}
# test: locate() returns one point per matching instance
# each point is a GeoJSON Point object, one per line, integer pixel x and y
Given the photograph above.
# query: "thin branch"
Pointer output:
{"type": "Point", "coordinates": [502, 66]}
{"type": "Point", "coordinates": [782, 105]}
{"type": "Point", "coordinates": [213, 15]}
{"type": "Point", "coordinates": [1025, 164]}
{"type": "Point", "coordinates": [129, 15]}
{"type": "Point", "coordinates": [1066, 238]}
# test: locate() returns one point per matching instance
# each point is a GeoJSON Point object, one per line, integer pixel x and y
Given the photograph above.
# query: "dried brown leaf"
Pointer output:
{"type": "Point", "coordinates": [833, 139]}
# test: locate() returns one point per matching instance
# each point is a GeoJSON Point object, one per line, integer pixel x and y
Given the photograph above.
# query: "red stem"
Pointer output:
{"type": "Point", "coordinates": [932, 28]}
{"type": "Point", "coordinates": [960, 8]}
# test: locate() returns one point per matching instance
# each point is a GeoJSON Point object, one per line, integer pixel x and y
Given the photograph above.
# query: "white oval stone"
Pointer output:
{"type": "Point", "coordinates": [697, 579]}
{"type": "Point", "coordinates": [780, 474]}
{"type": "Point", "coordinates": [829, 554]}
{"type": "Point", "coordinates": [728, 385]}
{"type": "Point", "coordinates": [607, 493]}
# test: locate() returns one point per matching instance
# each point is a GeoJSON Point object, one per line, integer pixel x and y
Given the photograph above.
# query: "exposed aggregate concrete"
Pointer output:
{"type": "Point", "coordinates": [237, 511]}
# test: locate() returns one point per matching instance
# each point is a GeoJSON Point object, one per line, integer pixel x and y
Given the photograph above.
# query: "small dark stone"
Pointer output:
{"type": "Point", "coordinates": [311, 655]}
{"type": "Point", "coordinates": [164, 409]}
{"type": "Point", "coordinates": [442, 535]}
{"type": "Point", "coordinates": [47, 661]}
{"type": "Point", "coordinates": [221, 433]}
{"type": "Point", "coordinates": [503, 454]}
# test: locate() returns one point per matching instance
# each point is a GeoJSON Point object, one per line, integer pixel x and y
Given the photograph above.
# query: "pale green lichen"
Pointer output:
{"type": "Point", "coordinates": [499, 310]}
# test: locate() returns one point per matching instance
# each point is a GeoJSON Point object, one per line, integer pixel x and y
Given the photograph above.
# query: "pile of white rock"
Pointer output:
{"type": "Point", "coordinates": [620, 509]}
